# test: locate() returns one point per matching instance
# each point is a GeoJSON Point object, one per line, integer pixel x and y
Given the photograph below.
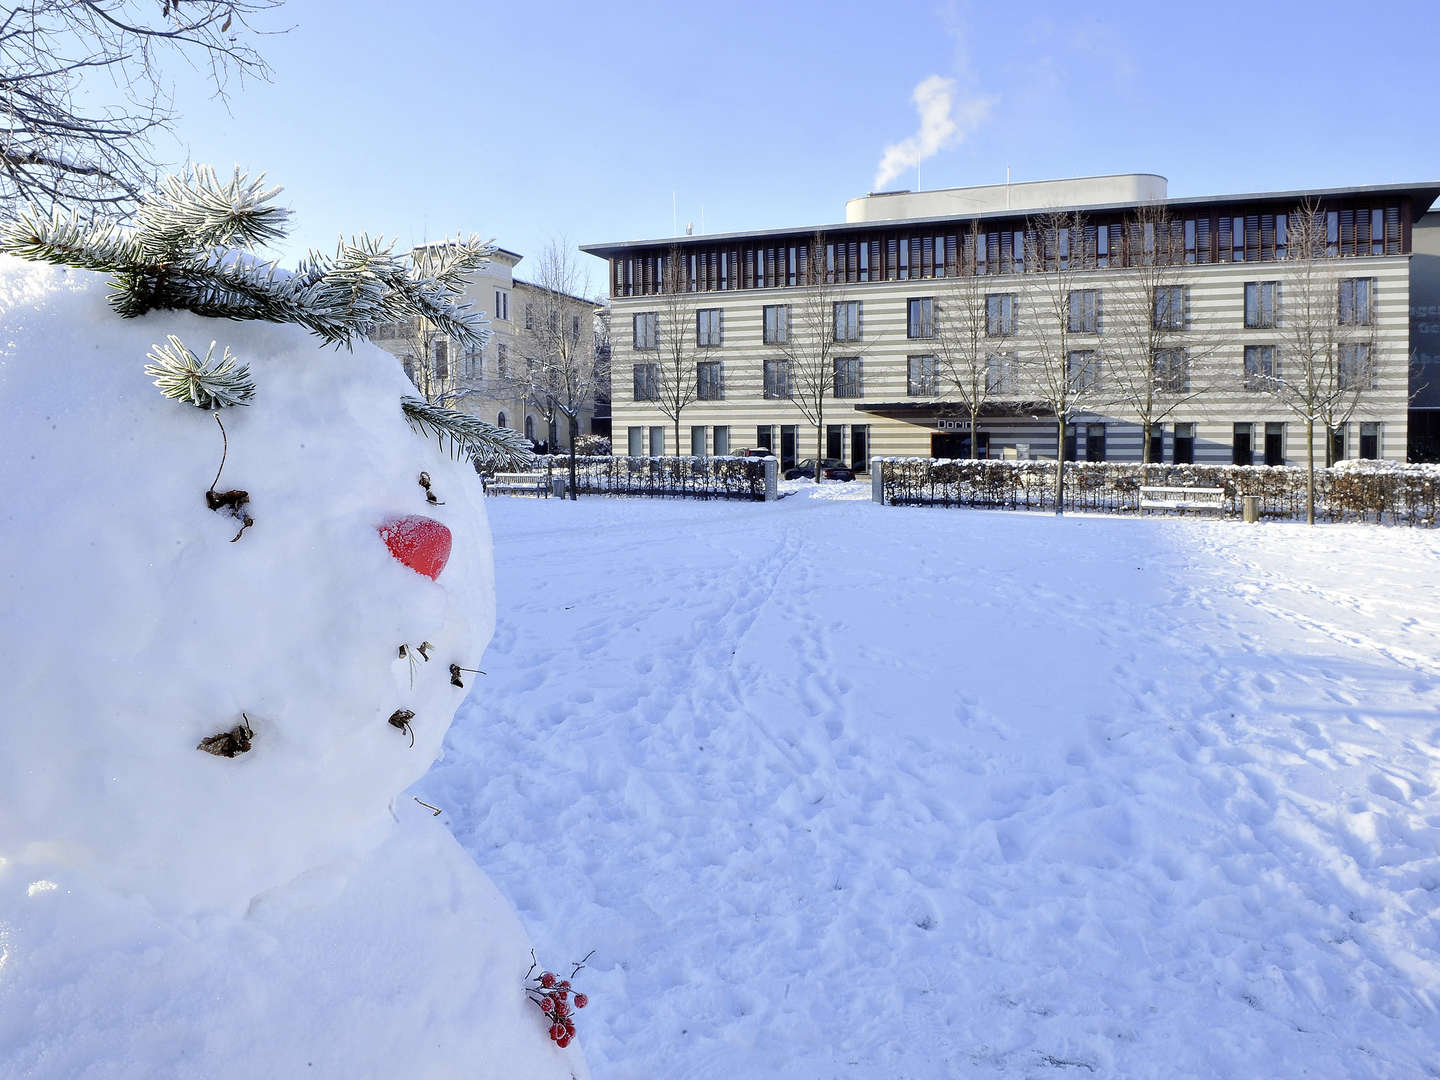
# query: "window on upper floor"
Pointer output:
{"type": "Point", "coordinates": [847, 377]}
{"type": "Point", "coordinates": [1262, 304]}
{"type": "Point", "coordinates": [1083, 369]}
{"type": "Point", "coordinates": [709, 381]}
{"type": "Point", "coordinates": [529, 316]}
{"type": "Point", "coordinates": [646, 382]}
{"type": "Point", "coordinates": [777, 380]}
{"type": "Point", "coordinates": [647, 330]}
{"type": "Point", "coordinates": [922, 376]}
{"type": "Point", "coordinates": [777, 324]}
{"type": "Point", "coordinates": [1083, 316]}
{"type": "Point", "coordinates": [920, 322]}
{"type": "Point", "coordinates": [501, 310]}
{"type": "Point", "coordinates": [709, 324]}
{"type": "Point", "coordinates": [999, 314]}
{"type": "Point", "coordinates": [1170, 307]}
{"type": "Point", "coordinates": [1171, 371]}
{"type": "Point", "coordinates": [1001, 373]}
{"type": "Point", "coordinates": [848, 321]}
{"type": "Point", "coordinates": [1356, 368]}
{"type": "Point", "coordinates": [1357, 301]}
{"type": "Point", "coordinates": [1262, 367]}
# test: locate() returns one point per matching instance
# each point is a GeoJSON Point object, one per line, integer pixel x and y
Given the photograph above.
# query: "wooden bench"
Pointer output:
{"type": "Point", "coordinates": [536, 484]}
{"type": "Point", "coordinates": [1182, 498]}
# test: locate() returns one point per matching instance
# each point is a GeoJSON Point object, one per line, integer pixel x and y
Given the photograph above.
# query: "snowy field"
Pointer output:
{"type": "Point", "coordinates": [837, 790]}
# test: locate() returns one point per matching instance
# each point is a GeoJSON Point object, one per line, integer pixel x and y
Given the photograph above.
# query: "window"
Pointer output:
{"type": "Point", "coordinates": [1261, 299]}
{"type": "Point", "coordinates": [835, 441]}
{"type": "Point", "coordinates": [765, 437]}
{"type": "Point", "coordinates": [1157, 442]}
{"type": "Point", "coordinates": [999, 314]}
{"type": "Point", "coordinates": [1337, 444]}
{"type": "Point", "coordinates": [636, 437]}
{"type": "Point", "coordinates": [530, 428]}
{"type": "Point", "coordinates": [1000, 373]}
{"type": "Point", "coordinates": [708, 327]}
{"type": "Point", "coordinates": [924, 379]}
{"type": "Point", "coordinates": [1084, 311]}
{"type": "Point", "coordinates": [1240, 452]}
{"type": "Point", "coordinates": [574, 327]}
{"type": "Point", "coordinates": [1274, 443]}
{"type": "Point", "coordinates": [647, 382]}
{"type": "Point", "coordinates": [529, 316]}
{"type": "Point", "coordinates": [502, 305]}
{"type": "Point", "coordinates": [709, 383]}
{"type": "Point", "coordinates": [409, 366]}
{"type": "Point", "coordinates": [1083, 368]}
{"type": "Point", "coordinates": [1170, 307]}
{"type": "Point", "coordinates": [722, 439]}
{"type": "Point", "coordinates": [848, 325]}
{"type": "Point", "coordinates": [502, 360]}
{"type": "Point", "coordinates": [500, 420]}
{"type": "Point", "coordinates": [847, 377]}
{"type": "Point", "coordinates": [777, 324]}
{"type": "Point", "coordinates": [697, 440]}
{"type": "Point", "coordinates": [657, 441]}
{"type": "Point", "coordinates": [1094, 442]}
{"type": "Point", "coordinates": [921, 318]}
{"type": "Point", "coordinates": [1260, 366]}
{"type": "Point", "coordinates": [442, 360]}
{"type": "Point", "coordinates": [1172, 371]}
{"type": "Point", "coordinates": [1356, 301]}
{"type": "Point", "coordinates": [777, 380]}
{"type": "Point", "coordinates": [1183, 451]}
{"type": "Point", "coordinates": [860, 447]}
{"type": "Point", "coordinates": [647, 330]}
{"type": "Point", "coordinates": [1370, 441]}
{"type": "Point", "coordinates": [1355, 370]}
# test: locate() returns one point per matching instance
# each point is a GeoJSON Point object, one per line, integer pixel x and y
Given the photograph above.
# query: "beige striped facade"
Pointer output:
{"type": "Point", "coordinates": [1216, 305]}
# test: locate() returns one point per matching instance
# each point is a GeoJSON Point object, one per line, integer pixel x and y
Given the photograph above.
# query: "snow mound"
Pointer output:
{"type": "Point", "coordinates": [163, 908]}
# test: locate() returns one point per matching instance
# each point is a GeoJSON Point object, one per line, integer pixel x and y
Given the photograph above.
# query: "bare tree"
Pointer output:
{"type": "Point", "coordinates": [676, 384]}
{"type": "Point", "coordinates": [564, 368]}
{"type": "Point", "coordinates": [970, 368]}
{"type": "Point", "coordinates": [1325, 363]}
{"type": "Point", "coordinates": [815, 333]}
{"type": "Point", "coordinates": [1152, 354]}
{"type": "Point", "coordinates": [1062, 365]}
{"type": "Point", "coordinates": [83, 91]}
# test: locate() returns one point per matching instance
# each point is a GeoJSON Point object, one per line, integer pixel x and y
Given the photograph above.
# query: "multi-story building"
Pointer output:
{"type": "Point", "coordinates": [490, 382]}
{"type": "Point", "coordinates": [899, 255]}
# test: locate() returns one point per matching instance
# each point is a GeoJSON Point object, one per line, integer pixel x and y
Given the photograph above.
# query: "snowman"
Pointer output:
{"type": "Point", "coordinates": [248, 582]}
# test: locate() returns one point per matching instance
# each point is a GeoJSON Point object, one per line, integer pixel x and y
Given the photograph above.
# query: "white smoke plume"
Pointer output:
{"type": "Point", "coordinates": [944, 123]}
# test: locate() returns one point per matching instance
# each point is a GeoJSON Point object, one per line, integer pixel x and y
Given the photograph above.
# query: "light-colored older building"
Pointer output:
{"type": "Point", "coordinates": [899, 258]}
{"type": "Point", "coordinates": [489, 382]}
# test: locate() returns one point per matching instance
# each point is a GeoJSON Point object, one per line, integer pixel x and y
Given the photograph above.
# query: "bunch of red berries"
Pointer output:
{"type": "Point", "coordinates": [554, 998]}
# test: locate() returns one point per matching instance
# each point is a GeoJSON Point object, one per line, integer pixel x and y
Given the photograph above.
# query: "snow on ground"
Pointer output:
{"type": "Point", "coordinates": [838, 790]}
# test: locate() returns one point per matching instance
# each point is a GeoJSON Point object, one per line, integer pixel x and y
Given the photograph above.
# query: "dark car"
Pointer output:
{"type": "Point", "coordinates": [831, 469]}
{"type": "Point", "coordinates": [759, 451]}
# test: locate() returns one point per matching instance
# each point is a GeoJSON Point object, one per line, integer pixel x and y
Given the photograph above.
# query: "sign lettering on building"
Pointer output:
{"type": "Point", "coordinates": [953, 425]}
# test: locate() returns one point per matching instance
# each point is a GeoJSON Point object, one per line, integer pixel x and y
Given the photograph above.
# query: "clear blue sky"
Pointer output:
{"type": "Point", "coordinates": [526, 121]}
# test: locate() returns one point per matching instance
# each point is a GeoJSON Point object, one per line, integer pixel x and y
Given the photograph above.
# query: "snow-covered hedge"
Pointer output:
{"type": "Point", "coordinates": [680, 476]}
{"type": "Point", "coordinates": [1352, 491]}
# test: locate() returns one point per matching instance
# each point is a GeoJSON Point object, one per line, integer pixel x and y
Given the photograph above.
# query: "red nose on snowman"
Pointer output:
{"type": "Point", "coordinates": [421, 543]}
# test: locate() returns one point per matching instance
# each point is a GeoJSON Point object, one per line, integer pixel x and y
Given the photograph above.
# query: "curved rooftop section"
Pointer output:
{"type": "Point", "coordinates": [1133, 188]}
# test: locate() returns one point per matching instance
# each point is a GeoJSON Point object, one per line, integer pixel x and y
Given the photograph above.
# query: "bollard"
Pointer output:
{"type": "Point", "coordinates": [877, 482]}
{"type": "Point", "coordinates": [1250, 508]}
{"type": "Point", "coordinates": [772, 479]}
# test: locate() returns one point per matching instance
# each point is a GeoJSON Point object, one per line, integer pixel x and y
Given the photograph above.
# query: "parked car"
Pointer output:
{"type": "Point", "coordinates": [759, 451]}
{"type": "Point", "coordinates": [831, 469]}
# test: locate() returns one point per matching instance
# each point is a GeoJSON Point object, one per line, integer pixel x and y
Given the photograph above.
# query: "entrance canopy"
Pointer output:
{"type": "Point", "coordinates": [930, 413]}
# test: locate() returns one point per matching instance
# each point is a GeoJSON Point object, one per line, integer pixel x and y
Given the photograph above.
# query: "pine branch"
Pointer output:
{"type": "Point", "coordinates": [489, 446]}
{"type": "Point", "coordinates": [198, 212]}
{"type": "Point", "coordinates": [206, 384]}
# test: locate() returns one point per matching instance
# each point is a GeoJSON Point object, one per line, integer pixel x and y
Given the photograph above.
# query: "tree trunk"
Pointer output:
{"type": "Point", "coordinates": [1145, 443]}
{"type": "Point", "coordinates": [677, 432]}
{"type": "Point", "coordinates": [1059, 463]}
{"type": "Point", "coordinates": [819, 446]}
{"type": "Point", "coordinates": [974, 431]}
{"type": "Point", "coordinates": [1309, 471]}
{"type": "Point", "coordinates": [1329, 446]}
{"type": "Point", "coordinates": [573, 425]}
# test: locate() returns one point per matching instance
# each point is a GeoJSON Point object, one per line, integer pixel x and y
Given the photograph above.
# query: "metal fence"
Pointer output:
{"type": "Point", "coordinates": [1388, 492]}
{"type": "Point", "coordinates": [677, 477]}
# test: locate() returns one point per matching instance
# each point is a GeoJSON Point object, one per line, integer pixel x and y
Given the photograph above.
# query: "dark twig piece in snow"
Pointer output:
{"type": "Point", "coordinates": [401, 718]}
{"type": "Point", "coordinates": [229, 743]}
{"type": "Point", "coordinates": [434, 810]}
{"type": "Point", "coordinates": [456, 669]}
{"type": "Point", "coordinates": [429, 495]}
{"type": "Point", "coordinates": [581, 964]}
